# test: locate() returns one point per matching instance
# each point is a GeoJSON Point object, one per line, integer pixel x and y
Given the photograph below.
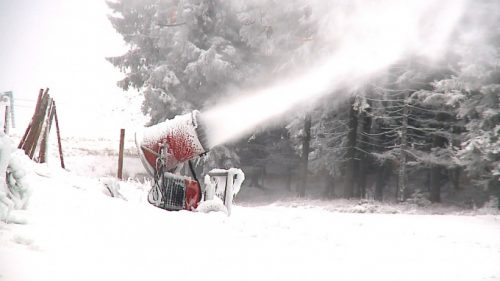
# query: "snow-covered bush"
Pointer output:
{"type": "Point", "coordinates": [14, 187]}
{"type": "Point", "coordinates": [419, 198]}
{"type": "Point", "coordinates": [129, 190]}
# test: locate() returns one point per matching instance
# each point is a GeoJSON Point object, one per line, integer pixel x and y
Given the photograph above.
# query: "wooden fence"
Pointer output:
{"type": "Point", "coordinates": [36, 137]}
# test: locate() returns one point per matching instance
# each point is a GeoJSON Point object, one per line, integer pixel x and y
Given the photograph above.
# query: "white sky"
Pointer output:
{"type": "Point", "coordinates": [62, 44]}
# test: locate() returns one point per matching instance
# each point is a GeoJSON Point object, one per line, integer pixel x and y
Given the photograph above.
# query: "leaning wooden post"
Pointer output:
{"type": "Point", "coordinates": [44, 144]}
{"type": "Point", "coordinates": [22, 143]}
{"type": "Point", "coordinates": [120, 154]}
{"type": "Point", "coordinates": [59, 138]}
{"type": "Point", "coordinates": [39, 120]}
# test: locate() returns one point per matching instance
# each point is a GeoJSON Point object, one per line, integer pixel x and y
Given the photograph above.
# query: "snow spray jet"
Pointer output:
{"type": "Point", "coordinates": [367, 37]}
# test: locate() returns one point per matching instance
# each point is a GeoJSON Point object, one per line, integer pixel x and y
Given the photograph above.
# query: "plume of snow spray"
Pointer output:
{"type": "Point", "coordinates": [374, 35]}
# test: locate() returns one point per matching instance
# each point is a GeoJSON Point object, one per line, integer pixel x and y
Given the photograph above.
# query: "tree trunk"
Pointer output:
{"type": "Point", "coordinates": [496, 188]}
{"type": "Point", "coordinates": [288, 179]}
{"type": "Point", "coordinates": [402, 156]}
{"type": "Point", "coordinates": [383, 174]}
{"type": "Point", "coordinates": [383, 169]}
{"type": "Point", "coordinates": [352, 164]}
{"type": "Point", "coordinates": [435, 184]}
{"type": "Point", "coordinates": [364, 124]}
{"type": "Point", "coordinates": [329, 185]}
{"type": "Point", "coordinates": [454, 177]}
{"type": "Point", "coordinates": [306, 140]}
{"type": "Point", "coordinates": [436, 173]}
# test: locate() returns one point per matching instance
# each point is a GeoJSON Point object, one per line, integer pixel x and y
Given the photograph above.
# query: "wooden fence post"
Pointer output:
{"type": "Point", "coordinates": [6, 121]}
{"type": "Point", "coordinates": [120, 154]}
{"type": "Point", "coordinates": [59, 138]}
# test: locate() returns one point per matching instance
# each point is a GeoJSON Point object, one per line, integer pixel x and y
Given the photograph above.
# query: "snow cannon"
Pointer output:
{"type": "Point", "coordinates": [165, 147]}
{"type": "Point", "coordinates": [173, 141]}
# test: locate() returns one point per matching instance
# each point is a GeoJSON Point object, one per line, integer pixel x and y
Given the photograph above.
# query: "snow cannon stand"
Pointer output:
{"type": "Point", "coordinates": [220, 188]}
{"type": "Point", "coordinates": [163, 150]}
{"type": "Point", "coordinates": [175, 192]}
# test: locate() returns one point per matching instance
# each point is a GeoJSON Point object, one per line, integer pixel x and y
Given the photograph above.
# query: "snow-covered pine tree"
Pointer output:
{"type": "Point", "coordinates": [281, 34]}
{"type": "Point", "coordinates": [182, 54]}
{"type": "Point", "coordinates": [188, 54]}
{"type": "Point", "coordinates": [477, 79]}
{"type": "Point", "coordinates": [405, 132]}
{"type": "Point", "coordinates": [328, 130]}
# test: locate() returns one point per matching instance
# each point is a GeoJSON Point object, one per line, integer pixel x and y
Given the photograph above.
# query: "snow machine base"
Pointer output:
{"type": "Point", "coordinates": [173, 192]}
{"type": "Point", "coordinates": [220, 188]}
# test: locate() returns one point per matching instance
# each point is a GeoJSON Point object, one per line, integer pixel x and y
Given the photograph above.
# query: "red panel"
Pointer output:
{"type": "Point", "coordinates": [181, 146]}
{"type": "Point", "coordinates": [193, 194]}
{"type": "Point", "coordinates": [180, 149]}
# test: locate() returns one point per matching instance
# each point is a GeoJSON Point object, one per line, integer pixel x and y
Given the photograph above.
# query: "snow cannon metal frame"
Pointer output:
{"type": "Point", "coordinates": [165, 147]}
{"type": "Point", "coordinates": [174, 192]}
{"type": "Point", "coordinates": [224, 185]}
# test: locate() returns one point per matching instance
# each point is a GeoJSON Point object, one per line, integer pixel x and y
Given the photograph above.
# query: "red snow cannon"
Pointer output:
{"type": "Point", "coordinates": [165, 147]}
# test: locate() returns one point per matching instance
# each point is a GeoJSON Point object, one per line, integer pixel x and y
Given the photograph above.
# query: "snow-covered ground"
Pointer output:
{"type": "Point", "coordinates": [99, 157]}
{"type": "Point", "coordinates": [74, 231]}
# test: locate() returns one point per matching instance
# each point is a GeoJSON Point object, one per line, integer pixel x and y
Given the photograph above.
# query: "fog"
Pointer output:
{"type": "Point", "coordinates": [361, 40]}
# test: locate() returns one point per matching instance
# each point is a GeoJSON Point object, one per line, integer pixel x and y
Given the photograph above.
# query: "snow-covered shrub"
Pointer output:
{"type": "Point", "coordinates": [490, 207]}
{"type": "Point", "coordinates": [111, 187]}
{"type": "Point", "coordinates": [420, 199]}
{"type": "Point", "coordinates": [17, 180]}
{"type": "Point", "coordinates": [5, 150]}
{"type": "Point", "coordinates": [129, 190]}
{"type": "Point", "coordinates": [14, 186]}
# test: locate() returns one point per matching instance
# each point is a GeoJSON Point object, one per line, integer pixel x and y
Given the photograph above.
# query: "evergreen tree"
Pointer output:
{"type": "Point", "coordinates": [182, 54]}
{"type": "Point", "coordinates": [477, 79]}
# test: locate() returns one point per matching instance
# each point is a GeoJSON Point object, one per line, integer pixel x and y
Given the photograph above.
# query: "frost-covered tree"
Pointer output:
{"type": "Point", "coordinates": [477, 78]}
{"type": "Point", "coordinates": [416, 123]}
{"type": "Point", "coordinates": [328, 142]}
{"type": "Point", "coordinates": [190, 54]}
{"type": "Point", "coordinates": [184, 54]}
{"type": "Point", "coordinates": [181, 53]}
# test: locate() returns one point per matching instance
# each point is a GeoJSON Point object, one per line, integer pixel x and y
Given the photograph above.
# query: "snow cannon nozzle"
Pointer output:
{"type": "Point", "coordinates": [201, 129]}
{"type": "Point", "coordinates": [173, 142]}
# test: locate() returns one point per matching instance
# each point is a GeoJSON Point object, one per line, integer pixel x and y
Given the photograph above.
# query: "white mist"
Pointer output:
{"type": "Point", "coordinates": [374, 35]}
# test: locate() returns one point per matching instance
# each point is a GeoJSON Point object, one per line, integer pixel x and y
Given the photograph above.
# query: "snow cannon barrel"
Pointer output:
{"type": "Point", "coordinates": [175, 141]}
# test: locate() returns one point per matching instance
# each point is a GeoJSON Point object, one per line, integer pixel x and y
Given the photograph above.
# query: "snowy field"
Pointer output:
{"type": "Point", "coordinates": [75, 231]}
